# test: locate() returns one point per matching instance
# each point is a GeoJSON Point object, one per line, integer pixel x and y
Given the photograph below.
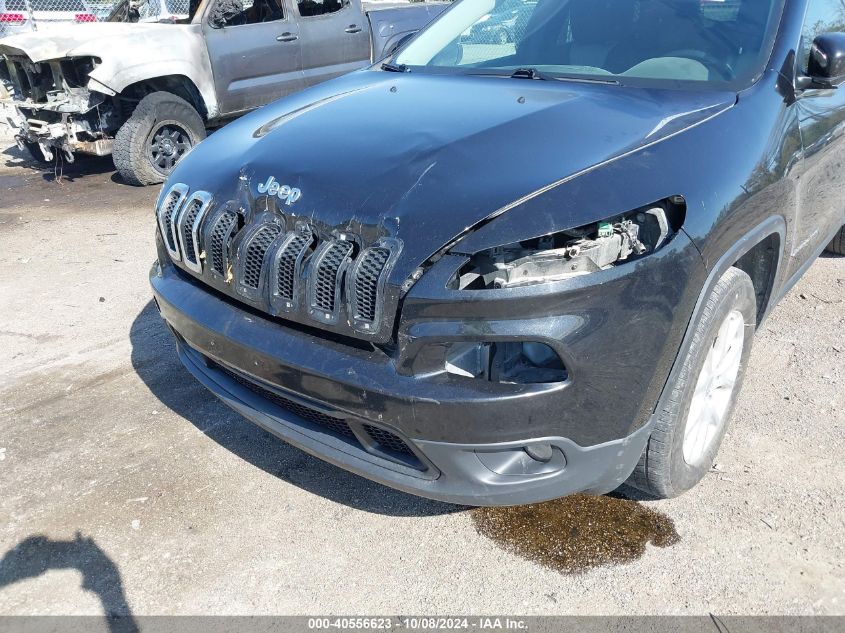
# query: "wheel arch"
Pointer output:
{"type": "Point", "coordinates": [180, 85]}
{"type": "Point", "coordinates": [752, 247]}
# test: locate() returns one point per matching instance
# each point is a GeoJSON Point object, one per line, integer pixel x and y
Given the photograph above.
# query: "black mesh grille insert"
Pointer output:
{"type": "Point", "coordinates": [217, 247]}
{"type": "Point", "coordinates": [167, 220]}
{"type": "Point", "coordinates": [190, 215]}
{"type": "Point", "coordinates": [286, 276]}
{"type": "Point", "coordinates": [388, 445]}
{"type": "Point", "coordinates": [306, 413]}
{"type": "Point", "coordinates": [327, 275]}
{"type": "Point", "coordinates": [387, 440]}
{"type": "Point", "coordinates": [366, 283]}
{"type": "Point", "coordinates": [255, 252]}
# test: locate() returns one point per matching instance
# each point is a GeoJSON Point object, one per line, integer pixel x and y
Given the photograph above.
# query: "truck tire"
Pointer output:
{"type": "Point", "coordinates": [837, 246]}
{"type": "Point", "coordinates": [700, 399]}
{"type": "Point", "coordinates": [161, 131]}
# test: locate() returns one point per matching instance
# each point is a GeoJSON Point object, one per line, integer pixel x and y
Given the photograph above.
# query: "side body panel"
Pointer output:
{"type": "Point", "coordinates": [334, 43]}
{"type": "Point", "coordinates": [254, 64]}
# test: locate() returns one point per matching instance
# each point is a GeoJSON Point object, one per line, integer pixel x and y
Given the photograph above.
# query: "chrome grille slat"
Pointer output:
{"type": "Point", "coordinates": [167, 212]}
{"type": "Point", "coordinates": [188, 224]}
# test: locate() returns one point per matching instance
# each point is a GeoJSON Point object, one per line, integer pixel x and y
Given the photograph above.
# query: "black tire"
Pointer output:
{"type": "Point", "coordinates": [156, 115]}
{"type": "Point", "coordinates": [35, 153]}
{"type": "Point", "coordinates": [837, 246]}
{"type": "Point", "coordinates": [663, 470]}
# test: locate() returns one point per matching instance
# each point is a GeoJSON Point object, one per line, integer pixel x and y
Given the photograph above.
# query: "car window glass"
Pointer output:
{"type": "Point", "coordinates": [714, 43]}
{"type": "Point", "coordinates": [311, 8]}
{"type": "Point", "coordinates": [240, 12]}
{"type": "Point", "coordinates": [823, 16]}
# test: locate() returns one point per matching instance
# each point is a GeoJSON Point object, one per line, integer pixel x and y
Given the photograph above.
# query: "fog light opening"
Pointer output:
{"type": "Point", "coordinates": [511, 363]}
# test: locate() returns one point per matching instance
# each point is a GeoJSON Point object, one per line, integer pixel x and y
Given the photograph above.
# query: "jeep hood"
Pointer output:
{"type": "Point", "coordinates": [424, 157]}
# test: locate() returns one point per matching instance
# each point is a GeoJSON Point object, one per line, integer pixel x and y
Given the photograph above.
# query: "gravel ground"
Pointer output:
{"type": "Point", "coordinates": [128, 488]}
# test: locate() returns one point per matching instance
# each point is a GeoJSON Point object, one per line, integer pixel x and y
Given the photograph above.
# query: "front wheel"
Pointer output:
{"type": "Point", "coordinates": [161, 131]}
{"type": "Point", "coordinates": [691, 423]}
{"type": "Point", "coordinates": [837, 246]}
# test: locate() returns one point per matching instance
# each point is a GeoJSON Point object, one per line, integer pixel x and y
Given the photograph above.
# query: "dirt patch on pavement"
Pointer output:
{"type": "Point", "coordinates": [576, 533]}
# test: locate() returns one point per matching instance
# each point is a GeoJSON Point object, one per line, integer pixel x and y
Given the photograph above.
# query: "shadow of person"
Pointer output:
{"type": "Point", "coordinates": [36, 555]}
{"type": "Point", "coordinates": [156, 363]}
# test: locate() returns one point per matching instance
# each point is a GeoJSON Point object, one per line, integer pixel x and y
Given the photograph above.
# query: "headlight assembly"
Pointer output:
{"type": "Point", "coordinates": [578, 251]}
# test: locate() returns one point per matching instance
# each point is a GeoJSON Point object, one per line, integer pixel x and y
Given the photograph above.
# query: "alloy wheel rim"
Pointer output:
{"type": "Point", "coordinates": [714, 388]}
{"type": "Point", "coordinates": [168, 144]}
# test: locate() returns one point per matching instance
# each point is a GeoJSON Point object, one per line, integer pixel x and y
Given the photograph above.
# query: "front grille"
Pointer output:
{"type": "Point", "coordinates": [386, 444]}
{"type": "Point", "coordinates": [255, 252]}
{"type": "Point", "coordinates": [329, 266]}
{"type": "Point", "coordinates": [303, 275]}
{"type": "Point", "coordinates": [367, 275]}
{"type": "Point", "coordinates": [387, 440]}
{"type": "Point", "coordinates": [167, 229]}
{"type": "Point", "coordinates": [306, 413]}
{"type": "Point", "coordinates": [167, 214]}
{"type": "Point", "coordinates": [288, 266]}
{"type": "Point", "coordinates": [188, 224]}
{"type": "Point", "coordinates": [188, 246]}
{"type": "Point", "coordinates": [219, 242]}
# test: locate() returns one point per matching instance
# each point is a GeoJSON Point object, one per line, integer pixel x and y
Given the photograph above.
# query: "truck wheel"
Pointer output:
{"type": "Point", "coordinates": [838, 244]}
{"type": "Point", "coordinates": [701, 398]}
{"type": "Point", "coordinates": [161, 131]}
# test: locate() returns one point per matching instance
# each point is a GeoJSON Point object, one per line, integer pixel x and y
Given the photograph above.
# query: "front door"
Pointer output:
{"type": "Point", "coordinates": [821, 115]}
{"type": "Point", "coordinates": [255, 52]}
{"type": "Point", "coordinates": [335, 38]}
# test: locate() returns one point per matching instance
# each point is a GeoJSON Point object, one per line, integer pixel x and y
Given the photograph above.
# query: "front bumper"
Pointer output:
{"type": "Point", "coordinates": [359, 407]}
{"type": "Point", "coordinates": [52, 129]}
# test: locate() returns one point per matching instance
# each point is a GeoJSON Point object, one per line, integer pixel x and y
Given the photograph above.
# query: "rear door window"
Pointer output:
{"type": "Point", "coordinates": [312, 8]}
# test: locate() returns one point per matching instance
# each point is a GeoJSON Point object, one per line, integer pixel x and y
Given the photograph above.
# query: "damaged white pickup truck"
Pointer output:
{"type": "Point", "coordinates": [146, 92]}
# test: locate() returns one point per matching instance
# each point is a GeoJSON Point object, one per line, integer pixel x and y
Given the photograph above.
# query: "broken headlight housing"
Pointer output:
{"type": "Point", "coordinates": [573, 252]}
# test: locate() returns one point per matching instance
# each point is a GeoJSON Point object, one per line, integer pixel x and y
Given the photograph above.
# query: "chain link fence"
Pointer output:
{"type": "Point", "coordinates": [25, 16]}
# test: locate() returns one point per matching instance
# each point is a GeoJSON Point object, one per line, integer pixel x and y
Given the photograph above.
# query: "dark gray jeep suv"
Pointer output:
{"type": "Point", "coordinates": [498, 271]}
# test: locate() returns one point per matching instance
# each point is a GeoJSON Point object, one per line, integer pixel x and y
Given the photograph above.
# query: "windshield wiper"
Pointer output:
{"type": "Point", "coordinates": [394, 68]}
{"type": "Point", "coordinates": [533, 73]}
{"type": "Point", "coordinates": [588, 80]}
{"type": "Point", "coordinates": [530, 73]}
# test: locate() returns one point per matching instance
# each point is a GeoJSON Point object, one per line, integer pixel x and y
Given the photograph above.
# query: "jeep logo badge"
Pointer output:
{"type": "Point", "coordinates": [286, 193]}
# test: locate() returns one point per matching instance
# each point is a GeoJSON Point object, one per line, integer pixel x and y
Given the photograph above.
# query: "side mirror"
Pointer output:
{"type": "Point", "coordinates": [826, 68]}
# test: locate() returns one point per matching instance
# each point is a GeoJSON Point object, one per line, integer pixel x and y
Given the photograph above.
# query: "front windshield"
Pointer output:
{"type": "Point", "coordinates": [710, 43]}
